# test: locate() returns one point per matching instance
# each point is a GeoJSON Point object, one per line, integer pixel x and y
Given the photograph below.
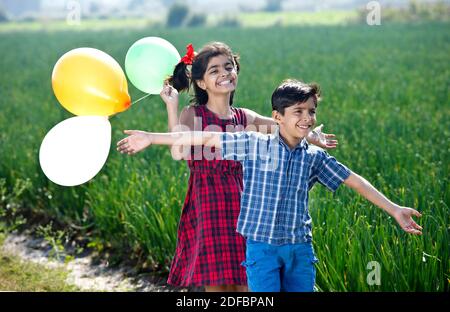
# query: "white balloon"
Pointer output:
{"type": "Point", "coordinates": [76, 149]}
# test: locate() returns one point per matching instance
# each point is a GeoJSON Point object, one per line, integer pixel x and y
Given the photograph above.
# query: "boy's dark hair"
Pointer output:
{"type": "Point", "coordinates": [182, 77]}
{"type": "Point", "coordinates": [291, 92]}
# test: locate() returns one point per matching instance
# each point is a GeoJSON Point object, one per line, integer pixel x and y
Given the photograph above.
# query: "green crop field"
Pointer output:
{"type": "Point", "coordinates": [385, 95]}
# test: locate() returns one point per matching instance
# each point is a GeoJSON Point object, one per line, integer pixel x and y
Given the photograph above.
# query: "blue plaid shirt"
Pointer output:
{"type": "Point", "coordinates": [274, 203]}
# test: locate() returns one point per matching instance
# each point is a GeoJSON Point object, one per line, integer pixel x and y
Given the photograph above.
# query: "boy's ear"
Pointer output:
{"type": "Point", "coordinates": [276, 116]}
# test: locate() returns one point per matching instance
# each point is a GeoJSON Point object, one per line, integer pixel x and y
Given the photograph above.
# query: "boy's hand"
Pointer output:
{"type": "Point", "coordinates": [323, 140]}
{"type": "Point", "coordinates": [169, 95]}
{"type": "Point", "coordinates": [403, 215]}
{"type": "Point", "coordinates": [135, 142]}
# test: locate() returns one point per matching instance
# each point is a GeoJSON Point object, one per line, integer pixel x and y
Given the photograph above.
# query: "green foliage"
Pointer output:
{"type": "Point", "coordinates": [11, 204]}
{"type": "Point", "coordinates": [385, 96]}
{"type": "Point", "coordinates": [56, 239]}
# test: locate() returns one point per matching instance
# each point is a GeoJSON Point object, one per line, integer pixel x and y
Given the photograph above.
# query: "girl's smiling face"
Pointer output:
{"type": "Point", "coordinates": [220, 75]}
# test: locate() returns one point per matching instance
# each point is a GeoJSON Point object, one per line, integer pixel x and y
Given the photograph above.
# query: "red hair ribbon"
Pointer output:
{"type": "Point", "coordinates": [189, 57]}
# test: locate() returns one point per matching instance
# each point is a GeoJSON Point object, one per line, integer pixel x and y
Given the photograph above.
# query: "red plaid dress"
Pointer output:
{"type": "Point", "coordinates": [209, 250]}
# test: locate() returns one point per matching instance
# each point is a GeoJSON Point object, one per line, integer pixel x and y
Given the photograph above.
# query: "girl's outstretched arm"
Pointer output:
{"type": "Point", "coordinates": [403, 215]}
{"type": "Point", "coordinates": [266, 125]}
{"type": "Point", "coordinates": [259, 123]}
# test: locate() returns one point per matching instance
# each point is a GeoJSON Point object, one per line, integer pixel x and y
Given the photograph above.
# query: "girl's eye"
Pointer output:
{"type": "Point", "coordinates": [229, 68]}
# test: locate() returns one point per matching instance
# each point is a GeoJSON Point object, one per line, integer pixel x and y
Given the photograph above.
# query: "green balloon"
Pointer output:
{"type": "Point", "coordinates": [149, 61]}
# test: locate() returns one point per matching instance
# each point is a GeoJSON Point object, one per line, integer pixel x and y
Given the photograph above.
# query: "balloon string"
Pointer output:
{"type": "Point", "coordinates": [110, 117]}
{"type": "Point", "coordinates": [139, 99]}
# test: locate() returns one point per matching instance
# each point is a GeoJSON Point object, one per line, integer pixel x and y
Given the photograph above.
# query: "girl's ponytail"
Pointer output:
{"type": "Point", "coordinates": [180, 78]}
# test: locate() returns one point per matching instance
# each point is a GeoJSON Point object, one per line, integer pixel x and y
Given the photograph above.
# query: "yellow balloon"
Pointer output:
{"type": "Point", "coordinates": [87, 81]}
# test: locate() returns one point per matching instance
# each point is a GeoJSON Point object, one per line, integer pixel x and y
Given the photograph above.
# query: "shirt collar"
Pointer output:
{"type": "Point", "coordinates": [303, 143]}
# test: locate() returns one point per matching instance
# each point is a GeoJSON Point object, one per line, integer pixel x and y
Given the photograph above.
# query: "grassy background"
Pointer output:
{"type": "Point", "coordinates": [17, 275]}
{"type": "Point", "coordinates": [385, 94]}
{"type": "Point", "coordinates": [263, 19]}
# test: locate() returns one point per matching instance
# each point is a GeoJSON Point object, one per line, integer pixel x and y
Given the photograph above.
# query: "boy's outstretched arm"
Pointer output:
{"type": "Point", "coordinates": [403, 215]}
{"type": "Point", "coordinates": [137, 140]}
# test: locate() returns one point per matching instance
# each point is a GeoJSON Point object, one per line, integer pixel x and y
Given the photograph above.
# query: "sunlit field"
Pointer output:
{"type": "Point", "coordinates": [385, 95]}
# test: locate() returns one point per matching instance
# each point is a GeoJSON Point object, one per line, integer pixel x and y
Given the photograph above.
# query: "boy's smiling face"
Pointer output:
{"type": "Point", "coordinates": [297, 121]}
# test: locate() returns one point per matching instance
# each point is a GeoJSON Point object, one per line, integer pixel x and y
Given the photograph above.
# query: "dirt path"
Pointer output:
{"type": "Point", "coordinates": [81, 271]}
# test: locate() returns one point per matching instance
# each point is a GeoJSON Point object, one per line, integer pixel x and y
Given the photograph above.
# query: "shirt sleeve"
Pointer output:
{"type": "Point", "coordinates": [237, 146]}
{"type": "Point", "coordinates": [330, 172]}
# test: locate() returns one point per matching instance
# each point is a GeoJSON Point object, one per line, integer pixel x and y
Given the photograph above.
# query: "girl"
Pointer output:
{"type": "Point", "coordinates": [209, 251]}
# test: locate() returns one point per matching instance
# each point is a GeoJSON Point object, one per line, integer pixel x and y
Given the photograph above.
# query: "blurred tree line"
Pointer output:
{"type": "Point", "coordinates": [273, 5]}
{"type": "Point", "coordinates": [180, 15]}
{"type": "Point", "coordinates": [3, 15]}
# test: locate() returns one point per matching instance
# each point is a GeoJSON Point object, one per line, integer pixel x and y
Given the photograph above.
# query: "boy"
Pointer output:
{"type": "Point", "coordinates": [279, 170]}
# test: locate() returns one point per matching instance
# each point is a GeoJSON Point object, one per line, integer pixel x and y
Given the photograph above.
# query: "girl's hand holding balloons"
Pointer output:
{"type": "Point", "coordinates": [170, 96]}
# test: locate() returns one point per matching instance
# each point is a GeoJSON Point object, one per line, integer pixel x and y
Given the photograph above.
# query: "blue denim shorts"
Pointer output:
{"type": "Point", "coordinates": [274, 268]}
